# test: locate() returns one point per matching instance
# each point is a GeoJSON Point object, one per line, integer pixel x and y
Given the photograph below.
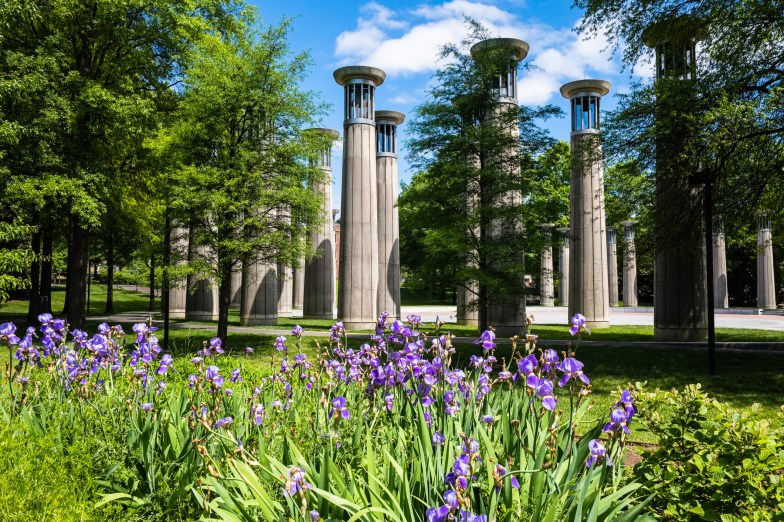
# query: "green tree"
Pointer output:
{"type": "Point", "coordinates": [15, 257]}
{"type": "Point", "coordinates": [469, 142]}
{"type": "Point", "coordinates": [734, 108]}
{"type": "Point", "coordinates": [107, 67]}
{"type": "Point", "coordinates": [242, 184]}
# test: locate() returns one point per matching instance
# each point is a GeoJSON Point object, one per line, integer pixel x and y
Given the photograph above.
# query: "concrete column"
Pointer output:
{"type": "Point", "coordinates": [612, 266]}
{"type": "Point", "coordinates": [589, 284]}
{"type": "Point", "coordinates": [680, 279]}
{"type": "Point", "coordinates": [236, 287]}
{"type": "Point", "coordinates": [201, 302]}
{"type": "Point", "coordinates": [259, 302]}
{"type": "Point", "coordinates": [506, 312]}
{"type": "Point", "coordinates": [546, 282]}
{"type": "Point", "coordinates": [178, 291]}
{"type": "Point", "coordinates": [388, 222]}
{"type": "Point", "coordinates": [629, 265]}
{"type": "Point", "coordinates": [563, 266]}
{"type": "Point", "coordinates": [285, 277]}
{"type": "Point", "coordinates": [319, 298]}
{"type": "Point", "coordinates": [358, 279]}
{"type": "Point", "coordinates": [766, 286]}
{"type": "Point", "coordinates": [720, 292]}
{"type": "Point", "coordinates": [299, 284]}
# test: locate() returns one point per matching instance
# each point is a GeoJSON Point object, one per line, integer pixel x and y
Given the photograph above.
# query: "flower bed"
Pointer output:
{"type": "Point", "coordinates": [388, 430]}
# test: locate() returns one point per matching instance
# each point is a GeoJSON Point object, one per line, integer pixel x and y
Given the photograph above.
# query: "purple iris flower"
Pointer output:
{"type": "Point", "coordinates": [618, 421]}
{"type": "Point", "coordinates": [45, 319]}
{"type": "Point", "coordinates": [470, 447]}
{"type": "Point", "coordinates": [527, 365]}
{"type": "Point", "coordinates": [235, 375]}
{"type": "Point", "coordinates": [296, 482]}
{"type": "Point", "coordinates": [486, 340]}
{"type": "Point", "coordinates": [627, 401]}
{"type": "Point", "coordinates": [438, 439]}
{"type": "Point", "coordinates": [296, 331]}
{"type": "Point", "coordinates": [573, 369]}
{"type": "Point", "coordinates": [551, 360]}
{"type": "Point", "coordinates": [414, 320]}
{"type": "Point", "coordinates": [216, 344]}
{"type": "Point", "coordinates": [7, 329]}
{"type": "Point", "coordinates": [489, 419]}
{"type": "Point", "coordinates": [466, 516]}
{"type": "Point", "coordinates": [500, 473]}
{"type": "Point", "coordinates": [462, 466]}
{"type": "Point", "coordinates": [544, 389]}
{"type": "Point", "coordinates": [147, 406]}
{"type": "Point", "coordinates": [224, 422]}
{"type": "Point", "coordinates": [257, 413]}
{"type": "Point", "coordinates": [141, 330]}
{"type": "Point", "coordinates": [598, 451]}
{"type": "Point", "coordinates": [578, 324]}
{"type": "Point", "coordinates": [438, 514]}
{"type": "Point", "coordinates": [248, 350]}
{"type": "Point", "coordinates": [315, 516]}
{"type": "Point", "coordinates": [339, 409]}
{"type": "Point", "coordinates": [389, 399]}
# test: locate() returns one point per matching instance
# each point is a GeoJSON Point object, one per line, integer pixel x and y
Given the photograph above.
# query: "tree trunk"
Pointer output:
{"type": "Point", "coordinates": [151, 308]}
{"type": "Point", "coordinates": [76, 282]}
{"type": "Point", "coordinates": [224, 300]}
{"type": "Point", "coordinates": [34, 305]}
{"type": "Point", "coordinates": [109, 275]}
{"type": "Point", "coordinates": [45, 291]}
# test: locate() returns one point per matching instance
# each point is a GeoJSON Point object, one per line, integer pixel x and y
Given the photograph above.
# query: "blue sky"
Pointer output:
{"type": "Point", "coordinates": [403, 39]}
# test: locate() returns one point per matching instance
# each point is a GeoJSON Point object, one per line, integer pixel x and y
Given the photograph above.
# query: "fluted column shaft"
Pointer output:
{"type": "Point", "coordinates": [589, 291]}
{"type": "Point", "coordinates": [563, 267]}
{"type": "Point", "coordinates": [547, 285]}
{"type": "Point", "coordinates": [387, 123]}
{"type": "Point", "coordinates": [299, 284]}
{"type": "Point", "coordinates": [358, 278]}
{"type": "Point", "coordinates": [589, 284]}
{"type": "Point", "coordinates": [766, 287]}
{"type": "Point", "coordinates": [319, 299]}
{"type": "Point", "coordinates": [720, 292]}
{"type": "Point", "coordinates": [259, 301]}
{"type": "Point", "coordinates": [629, 266]}
{"type": "Point", "coordinates": [178, 291]}
{"type": "Point", "coordinates": [201, 302]}
{"type": "Point", "coordinates": [612, 266]}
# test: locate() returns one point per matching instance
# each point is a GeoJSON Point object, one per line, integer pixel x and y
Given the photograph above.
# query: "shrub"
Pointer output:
{"type": "Point", "coordinates": [712, 463]}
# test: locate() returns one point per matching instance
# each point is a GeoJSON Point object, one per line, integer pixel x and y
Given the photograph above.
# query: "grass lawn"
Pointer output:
{"type": "Point", "coordinates": [124, 301]}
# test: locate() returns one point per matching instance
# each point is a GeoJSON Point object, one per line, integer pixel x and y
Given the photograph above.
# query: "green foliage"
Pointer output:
{"type": "Point", "coordinates": [470, 145]}
{"type": "Point", "coordinates": [242, 168]}
{"type": "Point", "coordinates": [15, 257]}
{"type": "Point", "coordinates": [734, 111]}
{"type": "Point", "coordinates": [712, 461]}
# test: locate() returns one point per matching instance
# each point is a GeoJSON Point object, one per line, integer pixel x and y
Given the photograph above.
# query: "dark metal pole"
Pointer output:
{"type": "Point", "coordinates": [89, 281]}
{"type": "Point", "coordinates": [708, 201]}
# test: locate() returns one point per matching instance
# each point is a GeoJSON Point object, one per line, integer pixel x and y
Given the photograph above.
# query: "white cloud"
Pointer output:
{"type": "Point", "coordinates": [408, 42]}
{"type": "Point", "coordinates": [461, 8]}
